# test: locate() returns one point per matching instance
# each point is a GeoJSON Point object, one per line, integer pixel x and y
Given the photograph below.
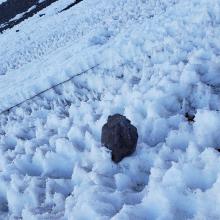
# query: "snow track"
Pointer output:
{"type": "Point", "coordinates": [153, 70]}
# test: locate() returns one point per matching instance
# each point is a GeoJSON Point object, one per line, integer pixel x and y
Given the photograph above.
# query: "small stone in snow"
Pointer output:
{"type": "Point", "coordinates": [119, 136]}
{"type": "Point", "coordinates": [189, 117]}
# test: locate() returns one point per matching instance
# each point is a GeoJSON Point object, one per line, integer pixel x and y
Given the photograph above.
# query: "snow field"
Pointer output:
{"type": "Point", "coordinates": [47, 35]}
{"type": "Point", "coordinates": [52, 164]}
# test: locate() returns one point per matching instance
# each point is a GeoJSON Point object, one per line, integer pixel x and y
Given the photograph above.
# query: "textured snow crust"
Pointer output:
{"type": "Point", "coordinates": [153, 71]}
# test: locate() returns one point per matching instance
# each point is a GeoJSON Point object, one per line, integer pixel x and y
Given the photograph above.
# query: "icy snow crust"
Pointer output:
{"type": "Point", "coordinates": [153, 68]}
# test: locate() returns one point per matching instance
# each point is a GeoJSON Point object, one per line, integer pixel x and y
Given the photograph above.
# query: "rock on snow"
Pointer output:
{"type": "Point", "coordinates": [158, 60]}
{"type": "Point", "coordinates": [119, 136]}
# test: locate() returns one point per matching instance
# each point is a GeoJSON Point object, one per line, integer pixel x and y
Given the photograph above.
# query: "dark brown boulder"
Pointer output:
{"type": "Point", "coordinates": [119, 136]}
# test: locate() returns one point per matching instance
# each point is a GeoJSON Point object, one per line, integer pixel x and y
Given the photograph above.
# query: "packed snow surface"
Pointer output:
{"type": "Point", "coordinates": [150, 60]}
